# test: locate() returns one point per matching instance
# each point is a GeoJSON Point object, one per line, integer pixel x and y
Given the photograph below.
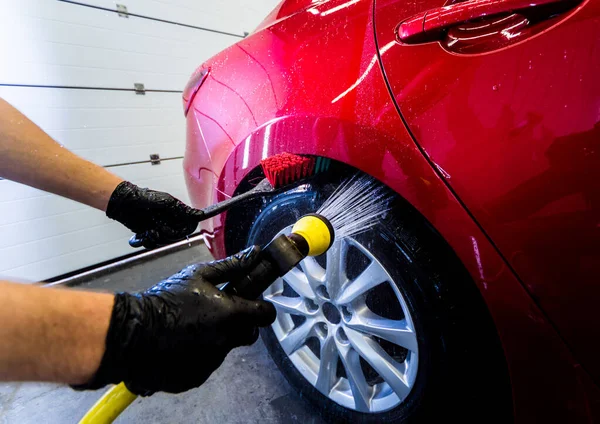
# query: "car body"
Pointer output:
{"type": "Point", "coordinates": [495, 143]}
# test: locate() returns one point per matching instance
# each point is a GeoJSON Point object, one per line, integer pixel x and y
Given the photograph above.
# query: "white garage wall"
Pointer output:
{"type": "Point", "coordinates": [230, 16]}
{"type": "Point", "coordinates": [50, 42]}
{"type": "Point", "coordinates": [104, 126]}
{"type": "Point", "coordinates": [60, 63]}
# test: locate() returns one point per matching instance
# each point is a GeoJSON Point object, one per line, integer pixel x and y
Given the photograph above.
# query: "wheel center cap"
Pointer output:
{"type": "Point", "coordinates": [331, 313]}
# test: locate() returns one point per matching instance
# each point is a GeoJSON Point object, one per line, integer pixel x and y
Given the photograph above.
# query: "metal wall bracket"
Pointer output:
{"type": "Point", "coordinates": [155, 159]}
{"type": "Point", "coordinates": [139, 88]}
{"type": "Point", "coordinates": [122, 11]}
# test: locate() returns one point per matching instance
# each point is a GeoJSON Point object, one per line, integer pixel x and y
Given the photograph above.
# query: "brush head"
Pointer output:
{"type": "Point", "coordinates": [286, 168]}
{"type": "Point", "coordinates": [317, 231]}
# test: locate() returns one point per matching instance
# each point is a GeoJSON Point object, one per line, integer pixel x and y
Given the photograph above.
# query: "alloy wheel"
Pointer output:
{"type": "Point", "coordinates": [346, 327]}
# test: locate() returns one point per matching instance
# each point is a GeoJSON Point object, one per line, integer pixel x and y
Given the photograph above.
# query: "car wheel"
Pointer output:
{"type": "Point", "coordinates": [386, 326]}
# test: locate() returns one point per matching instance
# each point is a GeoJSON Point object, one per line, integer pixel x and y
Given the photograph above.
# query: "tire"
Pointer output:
{"type": "Point", "coordinates": [460, 373]}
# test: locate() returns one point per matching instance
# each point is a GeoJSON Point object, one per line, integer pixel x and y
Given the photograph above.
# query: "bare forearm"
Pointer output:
{"type": "Point", "coordinates": [30, 156]}
{"type": "Point", "coordinates": [51, 334]}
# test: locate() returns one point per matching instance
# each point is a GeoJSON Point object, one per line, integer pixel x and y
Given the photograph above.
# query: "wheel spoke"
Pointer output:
{"type": "Point", "coordinates": [296, 338]}
{"type": "Point", "coordinates": [355, 339]}
{"type": "Point", "coordinates": [394, 373]}
{"type": "Point", "coordinates": [327, 366]}
{"type": "Point", "coordinates": [371, 277]}
{"type": "Point", "coordinates": [288, 305]}
{"type": "Point", "coordinates": [274, 289]}
{"type": "Point", "coordinates": [298, 281]}
{"type": "Point", "coordinates": [335, 272]}
{"type": "Point", "coordinates": [314, 273]}
{"type": "Point", "coordinates": [361, 391]}
{"type": "Point", "coordinates": [396, 332]}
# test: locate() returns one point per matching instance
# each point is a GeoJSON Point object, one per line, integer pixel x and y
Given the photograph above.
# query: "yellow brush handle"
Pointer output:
{"type": "Point", "coordinates": [108, 408]}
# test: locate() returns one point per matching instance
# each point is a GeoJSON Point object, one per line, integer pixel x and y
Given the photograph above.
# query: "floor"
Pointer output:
{"type": "Point", "coordinates": [225, 398]}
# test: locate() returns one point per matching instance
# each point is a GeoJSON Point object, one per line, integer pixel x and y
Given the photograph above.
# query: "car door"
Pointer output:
{"type": "Point", "coordinates": [503, 97]}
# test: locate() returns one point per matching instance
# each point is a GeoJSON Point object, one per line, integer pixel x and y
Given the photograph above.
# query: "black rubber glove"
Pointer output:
{"type": "Point", "coordinates": [157, 218]}
{"type": "Point", "coordinates": [174, 335]}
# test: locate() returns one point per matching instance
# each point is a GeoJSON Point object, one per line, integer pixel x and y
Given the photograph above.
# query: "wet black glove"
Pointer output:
{"type": "Point", "coordinates": [174, 335]}
{"type": "Point", "coordinates": [157, 218]}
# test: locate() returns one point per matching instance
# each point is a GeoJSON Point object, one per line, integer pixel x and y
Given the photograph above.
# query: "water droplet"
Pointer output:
{"type": "Point", "coordinates": [530, 65]}
{"type": "Point", "coordinates": [496, 87]}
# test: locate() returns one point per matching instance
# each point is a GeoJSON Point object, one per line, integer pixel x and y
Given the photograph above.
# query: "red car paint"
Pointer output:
{"type": "Point", "coordinates": [521, 217]}
{"type": "Point", "coordinates": [525, 118]}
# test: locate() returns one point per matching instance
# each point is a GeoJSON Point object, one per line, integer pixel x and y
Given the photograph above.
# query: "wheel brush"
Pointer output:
{"type": "Point", "coordinates": [281, 171]}
{"type": "Point", "coordinates": [311, 235]}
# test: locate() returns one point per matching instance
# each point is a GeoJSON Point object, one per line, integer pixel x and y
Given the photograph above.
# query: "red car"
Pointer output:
{"type": "Point", "coordinates": [476, 296]}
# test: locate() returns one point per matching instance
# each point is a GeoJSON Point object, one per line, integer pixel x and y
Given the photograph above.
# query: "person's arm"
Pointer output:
{"type": "Point", "coordinates": [30, 156]}
{"type": "Point", "coordinates": [168, 338]}
{"type": "Point", "coordinates": [51, 334]}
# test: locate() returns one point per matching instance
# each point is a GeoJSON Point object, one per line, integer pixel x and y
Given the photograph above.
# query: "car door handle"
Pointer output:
{"type": "Point", "coordinates": [430, 25]}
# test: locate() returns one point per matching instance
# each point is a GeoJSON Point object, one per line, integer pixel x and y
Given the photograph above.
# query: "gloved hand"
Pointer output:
{"type": "Point", "coordinates": [174, 335]}
{"type": "Point", "coordinates": [157, 218]}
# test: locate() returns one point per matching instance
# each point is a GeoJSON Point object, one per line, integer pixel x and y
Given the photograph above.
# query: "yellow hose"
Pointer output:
{"type": "Point", "coordinates": [109, 406]}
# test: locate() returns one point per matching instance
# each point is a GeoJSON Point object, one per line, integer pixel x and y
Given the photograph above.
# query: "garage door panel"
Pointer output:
{"type": "Point", "coordinates": [84, 122]}
{"type": "Point", "coordinates": [127, 154]}
{"type": "Point", "coordinates": [99, 118]}
{"type": "Point", "coordinates": [62, 264]}
{"type": "Point", "coordinates": [49, 227]}
{"type": "Point", "coordinates": [84, 138]}
{"type": "Point", "coordinates": [90, 69]}
{"type": "Point", "coordinates": [10, 191]}
{"type": "Point", "coordinates": [233, 16]}
{"type": "Point", "coordinates": [35, 207]}
{"type": "Point", "coordinates": [80, 98]}
{"type": "Point", "coordinates": [46, 248]}
{"type": "Point", "coordinates": [143, 173]}
{"type": "Point", "coordinates": [38, 46]}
